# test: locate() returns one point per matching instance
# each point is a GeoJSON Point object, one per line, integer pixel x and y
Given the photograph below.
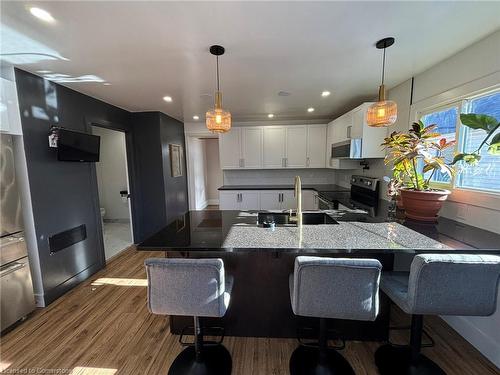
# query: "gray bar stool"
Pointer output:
{"type": "Point", "coordinates": [331, 288]}
{"type": "Point", "coordinates": [438, 284]}
{"type": "Point", "coordinates": [198, 288]}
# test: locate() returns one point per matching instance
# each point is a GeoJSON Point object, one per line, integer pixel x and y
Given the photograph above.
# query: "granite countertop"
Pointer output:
{"type": "Point", "coordinates": [238, 231]}
{"type": "Point", "coordinates": [317, 187]}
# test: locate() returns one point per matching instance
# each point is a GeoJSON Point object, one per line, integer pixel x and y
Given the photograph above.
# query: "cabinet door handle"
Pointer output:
{"type": "Point", "coordinates": [241, 197]}
{"type": "Point", "coordinates": [308, 162]}
{"type": "Point", "coordinates": [286, 162]}
{"type": "Point", "coordinates": [243, 163]}
{"type": "Point", "coordinates": [283, 162]}
{"type": "Point", "coordinates": [349, 132]}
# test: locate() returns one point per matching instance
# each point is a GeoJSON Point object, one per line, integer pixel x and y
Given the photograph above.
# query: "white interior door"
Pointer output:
{"type": "Point", "coordinates": [251, 147]}
{"type": "Point", "coordinates": [229, 144]}
{"type": "Point", "coordinates": [274, 147]}
{"type": "Point", "coordinates": [296, 147]}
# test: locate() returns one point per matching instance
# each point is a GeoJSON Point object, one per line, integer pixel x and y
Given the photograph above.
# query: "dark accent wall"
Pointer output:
{"type": "Point", "coordinates": [172, 131]}
{"type": "Point", "coordinates": [154, 131]}
{"type": "Point", "coordinates": [64, 194]}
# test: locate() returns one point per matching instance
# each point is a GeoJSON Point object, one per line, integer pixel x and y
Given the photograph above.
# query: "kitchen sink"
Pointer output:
{"type": "Point", "coordinates": [283, 218]}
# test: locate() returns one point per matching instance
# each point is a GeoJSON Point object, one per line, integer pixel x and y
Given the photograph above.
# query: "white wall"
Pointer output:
{"type": "Point", "coordinates": [214, 173]}
{"type": "Point", "coordinates": [112, 173]}
{"type": "Point", "coordinates": [197, 160]}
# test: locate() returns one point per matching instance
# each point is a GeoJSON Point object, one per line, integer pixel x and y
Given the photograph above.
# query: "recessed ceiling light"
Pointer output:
{"type": "Point", "coordinates": [270, 115]}
{"type": "Point", "coordinates": [107, 84]}
{"type": "Point", "coordinates": [168, 99]}
{"type": "Point", "coordinates": [44, 71]}
{"type": "Point", "coordinates": [310, 109]}
{"type": "Point", "coordinates": [324, 94]}
{"type": "Point", "coordinates": [41, 14]}
{"type": "Point", "coordinates": [196, 117]}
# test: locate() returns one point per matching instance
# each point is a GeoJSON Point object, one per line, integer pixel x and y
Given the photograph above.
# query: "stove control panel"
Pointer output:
{"type": "Point", "coordinates": [368, 183]}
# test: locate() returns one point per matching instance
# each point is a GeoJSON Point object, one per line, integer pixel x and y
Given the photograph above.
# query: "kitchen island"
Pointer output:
{"type": "Point", "coordinates": [261, 259]}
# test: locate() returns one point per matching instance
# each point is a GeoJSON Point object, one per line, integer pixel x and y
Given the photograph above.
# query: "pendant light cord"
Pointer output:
{"type": "Point", "coordinates": [218, 88]}
{"type": "Point", "coordinates": [383, 66]}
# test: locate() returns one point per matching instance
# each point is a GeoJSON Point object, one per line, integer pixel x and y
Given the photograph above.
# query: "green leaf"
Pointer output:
{"type": "Point", "coordinates": [476, 121]}
{"type": "Point", "coordinates": [457, 158]}
{"type": "Point", "coordinates": [494, 147]}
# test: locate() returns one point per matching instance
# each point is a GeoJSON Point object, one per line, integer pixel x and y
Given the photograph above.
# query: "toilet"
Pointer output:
{"type": "Point", "coordinates": [103, 212]}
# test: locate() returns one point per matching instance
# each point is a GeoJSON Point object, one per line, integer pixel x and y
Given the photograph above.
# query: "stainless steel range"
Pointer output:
{"type": "Point", "coordinates": [16, 288]}
{"type": "Point", "coordinates": [364, 195]}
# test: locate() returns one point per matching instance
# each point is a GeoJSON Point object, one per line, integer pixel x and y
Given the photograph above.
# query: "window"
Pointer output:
{"type": "Point", "coordinates": [486, 174]}
{"type": "Point", "coordinates": [446, 120]}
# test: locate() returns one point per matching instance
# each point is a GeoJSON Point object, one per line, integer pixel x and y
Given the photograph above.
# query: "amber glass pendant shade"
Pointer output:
{"type": "Point", "coordinates": [382, 113]}
{"type": "Point", "coordinates": [217, 119]}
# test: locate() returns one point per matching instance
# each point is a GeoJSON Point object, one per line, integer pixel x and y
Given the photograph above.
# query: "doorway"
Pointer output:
{"type": "Point", "coordinates": [113, 188]}
{"type": "Point", "coordinates": [205, 173]}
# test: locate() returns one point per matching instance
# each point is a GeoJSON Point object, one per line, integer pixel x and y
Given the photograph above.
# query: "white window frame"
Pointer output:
{"type": "Point", "coordinates": [469, 90]}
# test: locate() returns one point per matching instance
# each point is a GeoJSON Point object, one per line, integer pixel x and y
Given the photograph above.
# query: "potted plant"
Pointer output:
{"type": "Point", "coordinates": [414, 154]}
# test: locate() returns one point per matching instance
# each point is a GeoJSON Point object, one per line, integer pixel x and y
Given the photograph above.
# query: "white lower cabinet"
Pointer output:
{"type": "Point", "coordinates": [270, 200]}
{"type": "Point", "coordinates": [239, 200]}
{"type": "Point", "coordinates": [266, 200]}
{"type": "Point", "coordinates": [309, 200]}
{"type": "Point", "coordinates": [249, 200]}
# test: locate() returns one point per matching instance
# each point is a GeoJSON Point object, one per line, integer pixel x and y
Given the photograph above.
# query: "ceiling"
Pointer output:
{"type": "Point", "coordinates": [142, 52]}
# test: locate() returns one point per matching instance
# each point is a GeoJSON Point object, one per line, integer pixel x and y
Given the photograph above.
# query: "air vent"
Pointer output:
{"type": "Point", "coordinates": [65, 239]}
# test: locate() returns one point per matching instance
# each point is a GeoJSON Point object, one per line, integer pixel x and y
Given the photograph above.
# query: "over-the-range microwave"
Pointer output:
{"type": "Point", "coordinates": [350, 149]}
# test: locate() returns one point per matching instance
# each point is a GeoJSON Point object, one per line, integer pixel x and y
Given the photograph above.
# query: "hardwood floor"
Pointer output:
{"type": "Point", "coordinates": [103, 327]}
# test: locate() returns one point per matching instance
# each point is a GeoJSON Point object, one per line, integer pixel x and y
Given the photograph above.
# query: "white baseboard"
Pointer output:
{"type": "Point", "coordinates": [202, 206]}
{"type": "Point", "coordinates": [479, 339]}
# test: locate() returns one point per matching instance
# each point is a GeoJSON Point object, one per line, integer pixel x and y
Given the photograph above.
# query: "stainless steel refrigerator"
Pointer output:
{"type": "Point", "coordinates": [16, 287]}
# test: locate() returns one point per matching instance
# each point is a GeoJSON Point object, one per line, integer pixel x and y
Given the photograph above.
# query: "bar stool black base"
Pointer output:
{"type": "Point", "coordinates": [392, 360]}
{"type": "Point", "coordinates": [306, 361]}
{"type": "Point", "coordinates": [215, 360]}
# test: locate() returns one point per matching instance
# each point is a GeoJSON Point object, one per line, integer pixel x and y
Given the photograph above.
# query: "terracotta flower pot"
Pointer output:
{"type": "Point", "coordinates": [423, 205]}
{"type": "Point", "coordinates": [399, 202]}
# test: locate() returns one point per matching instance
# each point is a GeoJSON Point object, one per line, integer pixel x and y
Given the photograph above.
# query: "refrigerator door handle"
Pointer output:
{"type": "Point", "coordinates": [11, 268]}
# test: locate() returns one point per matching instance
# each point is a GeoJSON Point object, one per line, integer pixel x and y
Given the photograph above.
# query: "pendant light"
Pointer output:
{"type": "Point", "coordinates": [217, 119]}
{"type": "Point", "coordinates": [384, 112]}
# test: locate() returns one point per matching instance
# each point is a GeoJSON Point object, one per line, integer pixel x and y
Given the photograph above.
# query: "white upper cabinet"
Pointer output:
{"type": "Point", "coordinates": [230, 149]}
{"type": "Point", "coordinates": [296, 147]}
{"type": "Point", "coordinates": [316, 146]}
{"type": "Point", "coordinates": [251, 147]}
{"type": "Point", "coordinates": [274, 147]}
{"type": "Point", "coordinates": [352, 125]}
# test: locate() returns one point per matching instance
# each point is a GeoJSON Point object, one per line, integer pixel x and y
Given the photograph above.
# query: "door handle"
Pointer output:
{"type": "Point", "coordinates": [12, 268]}
{"type": "Point", "coordinates": [308, 162]}
{"type": "Point", "coordinates": [349, 131]}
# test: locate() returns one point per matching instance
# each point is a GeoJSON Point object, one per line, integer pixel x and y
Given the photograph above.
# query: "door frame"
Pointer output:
{"type": "Point", "coordinates": [131, 172]}
{"type": "Point", "coordinates": [189, 164]}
